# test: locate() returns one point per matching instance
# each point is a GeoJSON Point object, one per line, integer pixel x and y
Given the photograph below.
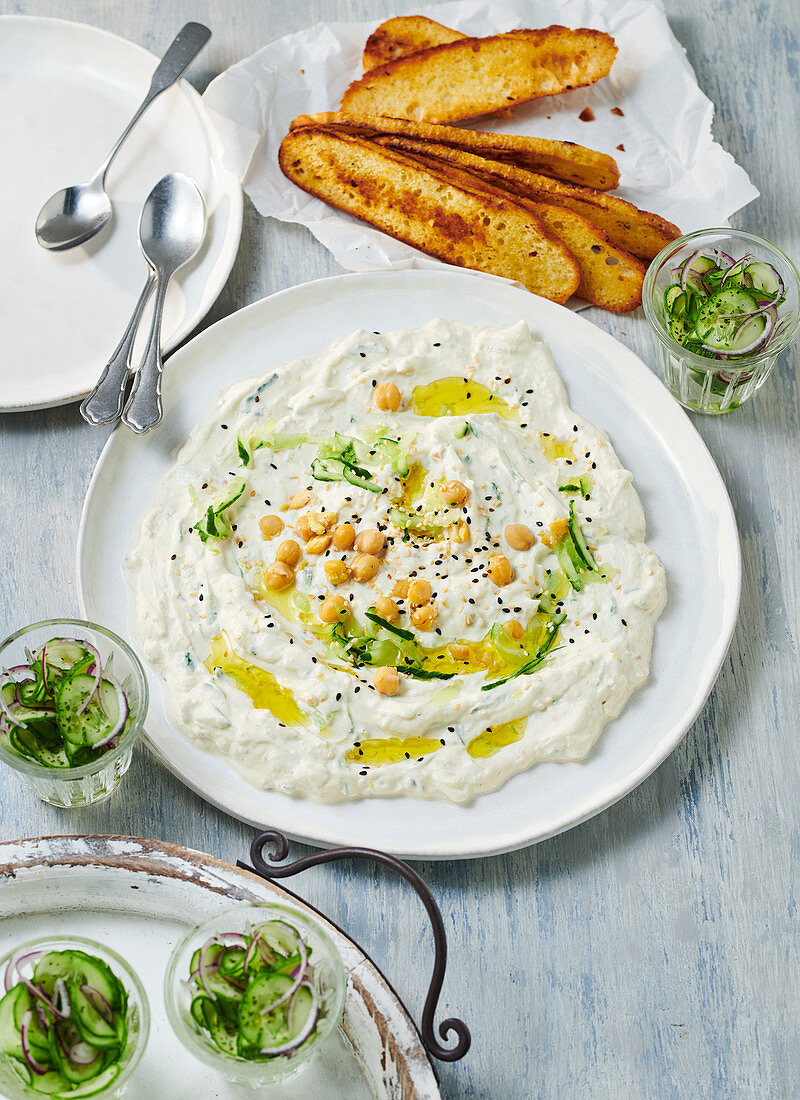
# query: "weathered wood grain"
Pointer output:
{"type": "Point", "coordinates": [652, 952]}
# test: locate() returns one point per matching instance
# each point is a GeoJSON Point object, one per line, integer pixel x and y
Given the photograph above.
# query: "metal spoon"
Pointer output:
{"type": "Point", "coordinates": [171, 230]}
{"type": "Point", "coordinates": [75, 214]}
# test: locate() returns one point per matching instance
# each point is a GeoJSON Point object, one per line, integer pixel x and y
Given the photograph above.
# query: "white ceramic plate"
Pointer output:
{"type": "Point", "coordinates": [66, 93]}
{"type": "Point", "coordinates": [140, 897]}
{"type": "Point", "coordinates": [690, 526]}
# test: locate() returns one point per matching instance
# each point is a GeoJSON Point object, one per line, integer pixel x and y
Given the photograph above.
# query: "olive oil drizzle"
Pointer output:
{"type": "Point", "coordinates": [260, 686]}
{"type": "Point", "coordinates": [457, 396]}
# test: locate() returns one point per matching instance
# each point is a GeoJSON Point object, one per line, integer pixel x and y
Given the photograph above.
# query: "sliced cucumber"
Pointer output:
{"type": "Point", "coordinates": [765, 279]}
{"type": "Point", "coordinates": [85, 970]}
{"type": "Point", "coordinates": [258, 1027]}
{"type": "Point", "coordinates": [299, 1010]}
{"type": "Point", "coordinates": [12, 1008]}
{"type": "Point", "coordinates": [224, 1032]}
{"type": "Point", "coordinates": [85, 724]}
{"type": "Point", "coordinates": [674, 299]}
{"type": "Point", "coordinates": [94, 1028]}
{"type": "Point", "coordinates": [721, 316]}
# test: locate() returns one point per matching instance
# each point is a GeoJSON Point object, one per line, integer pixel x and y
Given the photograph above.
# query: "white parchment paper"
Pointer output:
{"type": "Point", "coordinates": [669, 163]}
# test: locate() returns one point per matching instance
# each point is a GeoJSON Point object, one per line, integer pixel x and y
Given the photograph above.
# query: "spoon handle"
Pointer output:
{"type": "Point", "coordinates": [104, 403]}
{"type": "Point", "coordinates": [186, 45]}
{"type": "Point", "coordinates": [143, 407]}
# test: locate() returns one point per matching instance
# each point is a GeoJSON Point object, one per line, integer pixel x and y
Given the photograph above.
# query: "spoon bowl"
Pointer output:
{"type": "Point", "coordinates": [73, 216]}
{"type": "Point", "coordinates": [172, 224]}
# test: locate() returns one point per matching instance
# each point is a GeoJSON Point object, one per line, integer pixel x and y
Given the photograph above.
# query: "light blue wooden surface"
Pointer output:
{"type": "Point", "coordinates": [652, 952]}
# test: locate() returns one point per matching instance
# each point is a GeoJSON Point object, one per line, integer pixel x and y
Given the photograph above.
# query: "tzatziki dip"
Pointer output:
{"type": "Point", "coordinates": [405, 567]}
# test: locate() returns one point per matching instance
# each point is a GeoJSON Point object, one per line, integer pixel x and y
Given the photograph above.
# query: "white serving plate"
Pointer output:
{"type": "Point", "coordinates": [690, 526]}
{"type": "Point", "coordinates": [67, 92]}
{"type": "Point", "coordinates": [140, 897]}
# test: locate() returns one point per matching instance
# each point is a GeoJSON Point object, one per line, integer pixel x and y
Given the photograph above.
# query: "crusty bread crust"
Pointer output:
{"type": "Point", "coordinates": [476, 76]}
{"type": "Point", "coordinates": [610, 277]}
{"type": "Point", "coordinates": [560, 159]}
{"type": "Point", "coordinates": [419, 205]}
{"type": "Point", "coordinates": [404, 35]}
{"type": "Point", "coordinates": [635, 231]}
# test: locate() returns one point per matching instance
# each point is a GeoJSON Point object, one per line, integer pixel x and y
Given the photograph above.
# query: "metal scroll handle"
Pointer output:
{"type": "Point", "coordinates": [268, 870]}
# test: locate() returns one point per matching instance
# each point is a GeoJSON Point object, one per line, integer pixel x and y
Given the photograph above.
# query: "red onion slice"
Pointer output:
{"type": "Point", "coordinates": [20, 673]}
{"type": "Point", "coordinates": [30, 1061]}
{"type": "Point", "coordinates": [232, 939]}
{"type": "Point", "coordinates": [98, 1003]}
{"type": "Point", "coordinates": [200, 976]}
{"type": "Point", "coordinates": [122, 717]}
{"type": "Point", "coordinates": [12, 975]}
{"type": "Point", "coordinates": [82, 1054]}
{"type": "Point", "coordinates": [251, 950]}
{"type": "Point", "coordinates": [9, 717]}
{"type": "Point", "coordinates": [61, 998]}
{"type": "Point", "coordinates": [41, 996]}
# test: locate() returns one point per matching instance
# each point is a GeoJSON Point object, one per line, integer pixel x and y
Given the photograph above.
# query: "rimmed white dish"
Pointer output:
{"type": "Point", "coordinates": [67, 91]}
{"type": "Point", "coordinates": [690, 526]}
{"type": "Point", "coordinates": [140, 897]}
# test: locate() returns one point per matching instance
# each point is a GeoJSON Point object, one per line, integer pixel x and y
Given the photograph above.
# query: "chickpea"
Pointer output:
{"type": "Point", "coordinates": [365, 567]}
{"type": "Point", "coordinates": [386, 680]}
{"type": "Point", "coordinates": [309, 525]}
{"type": "Point", "coordinates": [344, 536]}
{"type": "Point", "coordinates": [514, 630]}
{"type": "Point", "coordinates": [519, 536]}
{"type": "Point", "coordinates": [401, 588]}
{"type": "Point", "coordinates": [458, 652]}
{"type": "Point", "coordinates": [455, 492]}
{"type": "Point", "coordinates": [270, 526]}
{"type": "Point", "coordinates": [288, 552]}
{"type": "Point", "coordinates": [423, 618]}
{"type": "Point", "coordinates": [387, 609]}
{"type": "Point", "coordinates": [387, 397]}
{"type": "Point", "coordinates": [555, 532]}
{"type": "Point", "coordinates": [460, 532]}
{"type": "Point", "coordinates": [500, 569]}
{"type": "Point", "coordinates": [333, 609]}
{"type": "Point", "coordinates": [278, 576]}
{"type": "Point", "coordinates": [419, 592]}
{"type": "Point", "coordinates": [298, 500]}
{"type": "Point", "coordinates": [370, 542]}
{"type": "Point", "coordinates": [328, 519]}
{"type": "Point", "coordinates": [318, 545]}
{"type": "Point", "coordinates": [336, 572]}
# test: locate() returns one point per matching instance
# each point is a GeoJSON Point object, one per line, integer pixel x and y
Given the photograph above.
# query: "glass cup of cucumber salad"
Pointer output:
{"type": "Point", "coordinates": [74, 1020]}
{"type": "Point", "coordinates": [73, 698]}
{"type": "Point", "coordinates": [256, 992]}
{"type": "Point", "coordinates": [722, 305]}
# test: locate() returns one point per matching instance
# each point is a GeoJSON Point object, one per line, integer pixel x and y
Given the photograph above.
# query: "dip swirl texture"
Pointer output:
{"type": "Point", "coordinates": [405, 567]}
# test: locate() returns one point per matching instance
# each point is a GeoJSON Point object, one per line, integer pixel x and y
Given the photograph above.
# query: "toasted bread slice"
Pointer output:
{"type": "Point", "coordinates": [418, 205]}
{"type": "Point", "coordinates": [476, 76]}
{"type": "Point", "coordinates": [404, 35]}
{"type": "Point", "coordinates": [635, 231]}
{"type": "Point", "coordinates": [561, 159]}
{"type": "Point", "coordinates": [610, 277]}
